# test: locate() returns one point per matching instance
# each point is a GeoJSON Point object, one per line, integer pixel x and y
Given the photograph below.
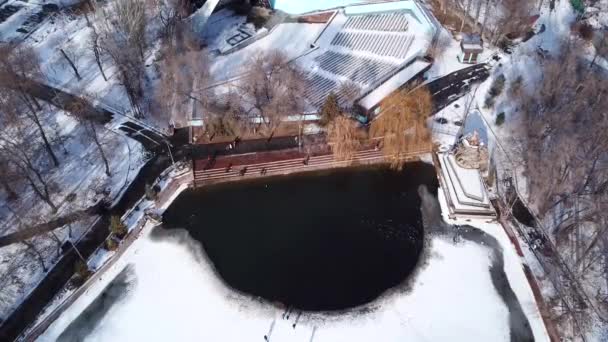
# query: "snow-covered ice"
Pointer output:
{"type": "Point", "coordinates": [177, 295]}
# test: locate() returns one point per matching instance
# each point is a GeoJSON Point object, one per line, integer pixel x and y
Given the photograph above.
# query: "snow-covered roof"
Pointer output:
{"type": "Point", "coordinates": [293, 39]}
{"type": "Point", "coordinates": [472, 47]}
{"type": "Point", "coordinates": [301, 6]}
{"type": "Point", "coordinates": [362, 44]}
{"type": "Point", "coordinates": [369, 45]}
{"type": "Point", "coordinates": [372, 99]}
{"type": "Point", "coordinates": [471, 42]}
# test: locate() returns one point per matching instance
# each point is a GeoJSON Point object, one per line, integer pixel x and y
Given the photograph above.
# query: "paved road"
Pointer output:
{"type": "Point", "coordinates": [64, 101]}
{"type": "Point", "coordinates": [150, 138]}
{"type": "Point", "coordinates": [451, 87]}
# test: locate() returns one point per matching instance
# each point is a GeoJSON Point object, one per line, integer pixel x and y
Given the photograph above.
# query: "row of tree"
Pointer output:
{"type": "Point", "coordinates": [491, 18]}
{"type": "Point", "coordinates": [21, 115]}
{"type": "Point", "coordinates": [562, 133]}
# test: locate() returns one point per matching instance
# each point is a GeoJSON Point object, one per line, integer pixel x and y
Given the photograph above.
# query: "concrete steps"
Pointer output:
{"type": "Point", "coordinates": [283, 167]}
{"type": "Point", "coordinates": [459, 199]}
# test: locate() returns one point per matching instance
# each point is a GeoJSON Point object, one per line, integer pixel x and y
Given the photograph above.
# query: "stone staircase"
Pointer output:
{"type": "Point", "coordinates": [464, 189]}
{"type": "Point", "coordinates": [282, 167]}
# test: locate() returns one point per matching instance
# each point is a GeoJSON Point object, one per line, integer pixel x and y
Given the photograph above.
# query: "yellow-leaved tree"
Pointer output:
{"type": "Point", "coordinates": [401, 125]}
{"type": "Point", "coordinates": [344, 138]}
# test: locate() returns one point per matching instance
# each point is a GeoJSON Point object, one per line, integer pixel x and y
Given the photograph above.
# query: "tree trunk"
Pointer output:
{"type": "Point", "coordinates": [86, 17]}
{"type": "Point", "coordinates": [36, 120]}
{"type": "Point", "coordinates": [43, 193]}
{"type": "Point", "coordinates": [57, 242]}
{"type": "Point", "coordinates": [600, 49]}
{"type": "Point", "coordinates": [477, 12]}
{"type": "Point", "coordinates": [134, 103]}
{"type": "Point", "coordinates": [485, 18]}
{"type": "Point", "coordinates": [93, 132]}
{"type": "Point", "coordinates": [47, 144]}
{"type": "Point", "coordinates": [598, 235]}
{"type": "Point", "coordinates": [35, 102]}
{"type": "Point", "coordinates": [71, 64]}
{"type": "Point", "coordinates": [8, 189]}
{"type": "Point", "coordinates": [33, 249]}
{"type": "Point", "coordinates": [578, 238]}
{"type": "Point", "coordinates": [466, 12]}
{"type": "Point", "coordinates": [98, 61]}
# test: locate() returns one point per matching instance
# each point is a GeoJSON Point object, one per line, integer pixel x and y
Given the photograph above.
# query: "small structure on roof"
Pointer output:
{"type": "Point", "coordinates": [471, 46]}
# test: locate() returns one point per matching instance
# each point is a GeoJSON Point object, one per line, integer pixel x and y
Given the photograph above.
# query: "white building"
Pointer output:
{"type": "Point", "coordinates": [379, 47]}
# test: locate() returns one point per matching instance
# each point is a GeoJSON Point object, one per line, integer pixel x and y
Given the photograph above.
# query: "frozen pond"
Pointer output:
{"type": "Point", "coordinates": [316, 241]}
{"type": "Point", "coordinates": [166, 287]}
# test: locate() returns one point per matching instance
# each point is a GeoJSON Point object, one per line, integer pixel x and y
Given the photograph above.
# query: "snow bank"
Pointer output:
{"type": "Point", "coordinates": [513, 268]}
{"type": "Point", "coordinates": [177, 296]}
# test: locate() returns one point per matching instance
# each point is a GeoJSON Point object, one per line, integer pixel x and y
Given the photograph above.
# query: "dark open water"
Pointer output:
{"type": "Point", "coordinates": [317, 241]}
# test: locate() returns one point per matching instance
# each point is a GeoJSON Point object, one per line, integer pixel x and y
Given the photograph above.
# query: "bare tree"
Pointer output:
{"type": "Point", "coordinates": [72, 58]}
{"type": "Point", "coordinates": [272, 89]}
{"type": "Point", "coordinates": [122, 37]}
{"type": "Point", "coordinates": [401, 124]}
{"type": "Point", "coordinates": [478, 11]}
{"type": "Point", "coordinates": [7, 177]}
{"type": "Point", "coordinates": [20, 156]}
{"type": "Point", "coordinates": [512, 17]}
{"type": "Point", "coordinates": [93, 43]}
{"type": "Point", "coordinates": [600, 44]}
{"type": "Point", "coordinates": [226, 117]}
{"type": "Point", "coordinates": [564, 127]}
{"type": "Point", "coordinates": [17, 65]}
{"type": "Point", "coordinates": [184, 84]}
{"type": "Point", "coordinates": [81, 110]}
{"type": "Point", "coordinates": [348, 94]}
{"type": "Point", "coordinates": [129, 18]}
{"type": "Point", "coordinates": [486, 14]}
{"type": "Point", "coordinates": [171, 13]}
{"type": "Point", "coordinates": [465, 13]}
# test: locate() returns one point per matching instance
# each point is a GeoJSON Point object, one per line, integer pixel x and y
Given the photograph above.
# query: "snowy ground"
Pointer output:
{"type": "Point", "coordinates": [293, 39]}
{"type": "Point", "coordinates": [80, 174]}
{"type": "Point", "coordinates": [172, 271]}
{"type": "Point", "coordinates": [524, 62]}
{"type": "Point", "coordinates": [446, 56]}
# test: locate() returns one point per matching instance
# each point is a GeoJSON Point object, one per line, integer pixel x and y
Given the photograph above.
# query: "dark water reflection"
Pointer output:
{"type": "Point", "coordinates": [316, 241]}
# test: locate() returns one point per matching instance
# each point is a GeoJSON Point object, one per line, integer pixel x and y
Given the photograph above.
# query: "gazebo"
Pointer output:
{"type": "Point", "coordinates": [471, 46]}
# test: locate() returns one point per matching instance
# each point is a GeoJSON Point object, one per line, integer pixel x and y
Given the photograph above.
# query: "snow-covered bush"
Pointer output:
{"type": "Point", "coordinates": [500, 118]}
{"type": "Point", "coordinates": [117, 228]}
{"type": "Point", "coordinates": [495, 90]}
